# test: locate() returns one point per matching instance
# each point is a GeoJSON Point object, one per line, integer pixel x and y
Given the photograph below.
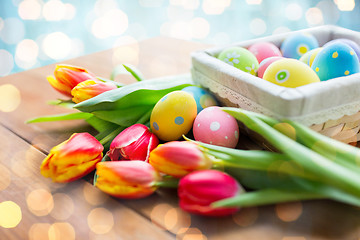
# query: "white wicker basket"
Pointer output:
{"type": "Point", "coordinates": [331, 107]}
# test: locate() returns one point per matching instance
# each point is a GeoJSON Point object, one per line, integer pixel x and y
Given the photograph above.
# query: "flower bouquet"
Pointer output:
{"type": "Point", "coordinates": [150, 137]}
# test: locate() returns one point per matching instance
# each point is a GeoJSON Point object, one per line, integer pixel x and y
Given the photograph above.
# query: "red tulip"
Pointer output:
{"type": "Point", "coordinates": [199, 189]}
{"type": "Point", "coordinates": [133, 143]}
{"type": "Point", "coordinates": [73, 158]}
{"type": "Point", "coordinates": [127, 179]}
{"type": "Point", "coordinates": [67, 77]}
{"type": "Point", "coordinates": [179, 158]}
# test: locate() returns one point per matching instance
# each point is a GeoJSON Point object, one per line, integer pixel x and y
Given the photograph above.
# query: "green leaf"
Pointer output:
{"type": "Point", "coordinates": [124, 117]}
{"type": "Point", "coordinates": [135, 72]}
{"type": "Point", "coordinates": [61, 117]}
{"type": "Point", "coordinates": [99, 124]}
{"type": "Point", "coordinates": [140, 93]}
{"type": "Point", "coordinates": [62, 103]}
{"type": "Point", "coordinates": [111, 81]}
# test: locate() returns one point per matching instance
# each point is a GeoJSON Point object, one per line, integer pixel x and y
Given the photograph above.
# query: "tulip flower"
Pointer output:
{"type": "Point", "coordinates": [89, 89]}
{"type": "Point", "coordinates": [199, 189]}
{"type": "Point", "coordinates": [67, 77]}
{"type": "Point", "coordinates": [133, 143]}
{"type": "Point", "coordinates": [127, 179]}
{"type": "Point", "coordinates": [73, 158]}
{"type": "Point", "coordinates": [179, 158]}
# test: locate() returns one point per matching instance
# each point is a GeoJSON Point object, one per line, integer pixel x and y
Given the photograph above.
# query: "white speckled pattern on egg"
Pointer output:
{"type": "Point", "coordinates": [214, 126]}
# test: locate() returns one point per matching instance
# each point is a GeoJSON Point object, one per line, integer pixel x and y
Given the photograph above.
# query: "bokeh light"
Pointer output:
{"type": "Point", "coordinates": [10, 98]}
{"type": "Point", "coordinates": [39, 231]}
{"type": "Point", "coordinates": [57, 45]}
{"type": "Point", "coordinates": [289, 212]}
{"type": "Point", "coordinates": [61, 230]}
{"type": "Point", "coordinates": [30, 9]}
{"type": "Point", "coordinates": [100, 220]}
{"type": "Point", "coordinates": [35, 33]}
{"type": "Point", "coordinates": [5, 178]}
{"type": "Point", "coordinates": [40, 202]}
{"type": "Point", "coordinates": [10, 214]}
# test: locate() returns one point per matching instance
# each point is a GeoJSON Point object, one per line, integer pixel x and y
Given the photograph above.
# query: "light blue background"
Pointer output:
{"type": "Point", "coordinates": [32, 36]}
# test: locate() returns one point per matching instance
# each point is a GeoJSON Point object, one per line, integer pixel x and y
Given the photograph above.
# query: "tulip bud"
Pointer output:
{"type": "Point", "coordinates": [73, 158]}
{"type": "Point", "coordinates": [89, 89]}
{"type": "Point", "coordinates": [198, 190]}
{"type": "Point", "coordinates": [178, 158]}
{"type": "Point", "coordinates": [133, 143]}
{"type": "Point", "coordinates": [127, 179]}
{"type": "Point", "coordinates": [67, 77]}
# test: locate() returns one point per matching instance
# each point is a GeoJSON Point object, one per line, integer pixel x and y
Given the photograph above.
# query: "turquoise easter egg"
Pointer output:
{"type": "Point", "coordinates": [336, 60]}
{"type": "Point", "coordinates": [202, 97]}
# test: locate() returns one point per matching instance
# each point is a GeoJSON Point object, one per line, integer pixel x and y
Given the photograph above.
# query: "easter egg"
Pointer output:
{"type": "Point", "coordinates": [240, 58]}
{"type": "Point", "coordinates": [214, 126]}
{"type": "Point", "coordinates": [264, 50]}
{"type": "Point", "coordinates": [173, 115]}
{"type": "Point", "coordinates": [297, 44]}
{"type": "Point", "coordinates": [265, 63]}
{"type": "Point", "coordinates": [335, 60]}
{"type": "Point", "coordinates": [308, 58]}
{"type": "Point", "coordinates": [290, 73]}
{"type": "Point", "coordinates": [349, 42]}
{"type": "Point", "coordinates": [202, 97]}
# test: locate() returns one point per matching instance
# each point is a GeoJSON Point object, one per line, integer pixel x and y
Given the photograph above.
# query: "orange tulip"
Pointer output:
{"type": "Point", "coordinates": [178, 158]}
{"type": "Point", "coordinates": [127, 179]}
{"type": "Point", "coordinates": [89, 89]}
{"type": "Point", "coordinates": [67, 77]}
{"type": "Point", "coordinates": [73, 158]}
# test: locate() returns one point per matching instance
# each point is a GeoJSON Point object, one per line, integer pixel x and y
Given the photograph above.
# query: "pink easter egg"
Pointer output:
{"type": "Point", "coordinates": [265, 63]}
{"type": "Point", "coordinates": [214, 126]}
{"type": "Point", "coordinates": [263, 50]}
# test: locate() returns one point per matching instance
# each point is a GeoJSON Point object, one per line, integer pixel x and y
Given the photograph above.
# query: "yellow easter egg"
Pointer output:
{"type": "Point", "coordinates": [290, 73]}
{"type": "Point", "coordinates": [173, 115]}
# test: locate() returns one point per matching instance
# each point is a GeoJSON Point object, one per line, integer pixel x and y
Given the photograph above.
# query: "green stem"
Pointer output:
{"type": "Point", "coordinates": [168, 183]}
{"type": "Point", "coordinates": [264, 197]}
{"type": "Point", "coordinates": [327, 171]}
{"type": "Point", "coordinates": [145, 118]}
{"type": "Point", "coordinates": [342, 153]}
{"type": "Point", "coordinates": [111, 135]}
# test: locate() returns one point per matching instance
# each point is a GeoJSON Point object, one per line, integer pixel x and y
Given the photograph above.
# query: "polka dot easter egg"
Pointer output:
{"type": "Point", "coordinates": [290, 73]}
{"type": "Point", "coordinates": [173, 115]}
{"type": "Point", "coordinates": [297, 44]}
{"type": "Point", "coordinates": [263, 50]}
{"type": "Point", "coordinates": [349, 42]}
{"type": "Point", "coordinates": [240, 58]}
{"type": "Point", "coordinates": [203, 98]}
{"type": "Point", "coordinates": [214, 126]}
{"type": "Point", "coordinates": [335, 60]}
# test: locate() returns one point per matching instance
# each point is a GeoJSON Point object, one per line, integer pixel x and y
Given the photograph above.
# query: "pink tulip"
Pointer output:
{"type": "Point", "coordinates": [178, 158]}
{"type": "Point", "coordinates": [67, 77]}
{"type": "Point", "coordinates": [199, 189]}
{"type": "Point", "coordinates": [133, 143]}
{"type": "Point", "coordinates": [127, 179]}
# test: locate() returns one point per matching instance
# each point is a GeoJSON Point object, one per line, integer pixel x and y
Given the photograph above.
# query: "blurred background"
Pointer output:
{"type": "Point", "coordinates": [34, 33]}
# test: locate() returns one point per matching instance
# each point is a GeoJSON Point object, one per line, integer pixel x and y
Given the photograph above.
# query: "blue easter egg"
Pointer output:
{"type": "Point", "coordinates": [202, 98]}
{"type": "Point", "coordinates": [297, 44]}
{"type": "Point", "coordinates": [349, 42]}
{"type": "Point", "coordinates": [336, 60]}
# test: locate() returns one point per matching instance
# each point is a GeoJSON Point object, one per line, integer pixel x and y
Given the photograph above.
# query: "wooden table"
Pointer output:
{"type": "Point", "coordinates": [32, 207]}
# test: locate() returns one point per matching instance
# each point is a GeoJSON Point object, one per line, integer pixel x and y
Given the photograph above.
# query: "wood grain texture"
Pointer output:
{"type": "Point", "coordinates": [155, 217]}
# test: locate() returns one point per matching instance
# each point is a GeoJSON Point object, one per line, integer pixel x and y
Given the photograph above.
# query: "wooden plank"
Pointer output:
{"type": "Point", "coordinates": [32, 207]}
{"type": "Point", "coordinates": [311, 220]}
